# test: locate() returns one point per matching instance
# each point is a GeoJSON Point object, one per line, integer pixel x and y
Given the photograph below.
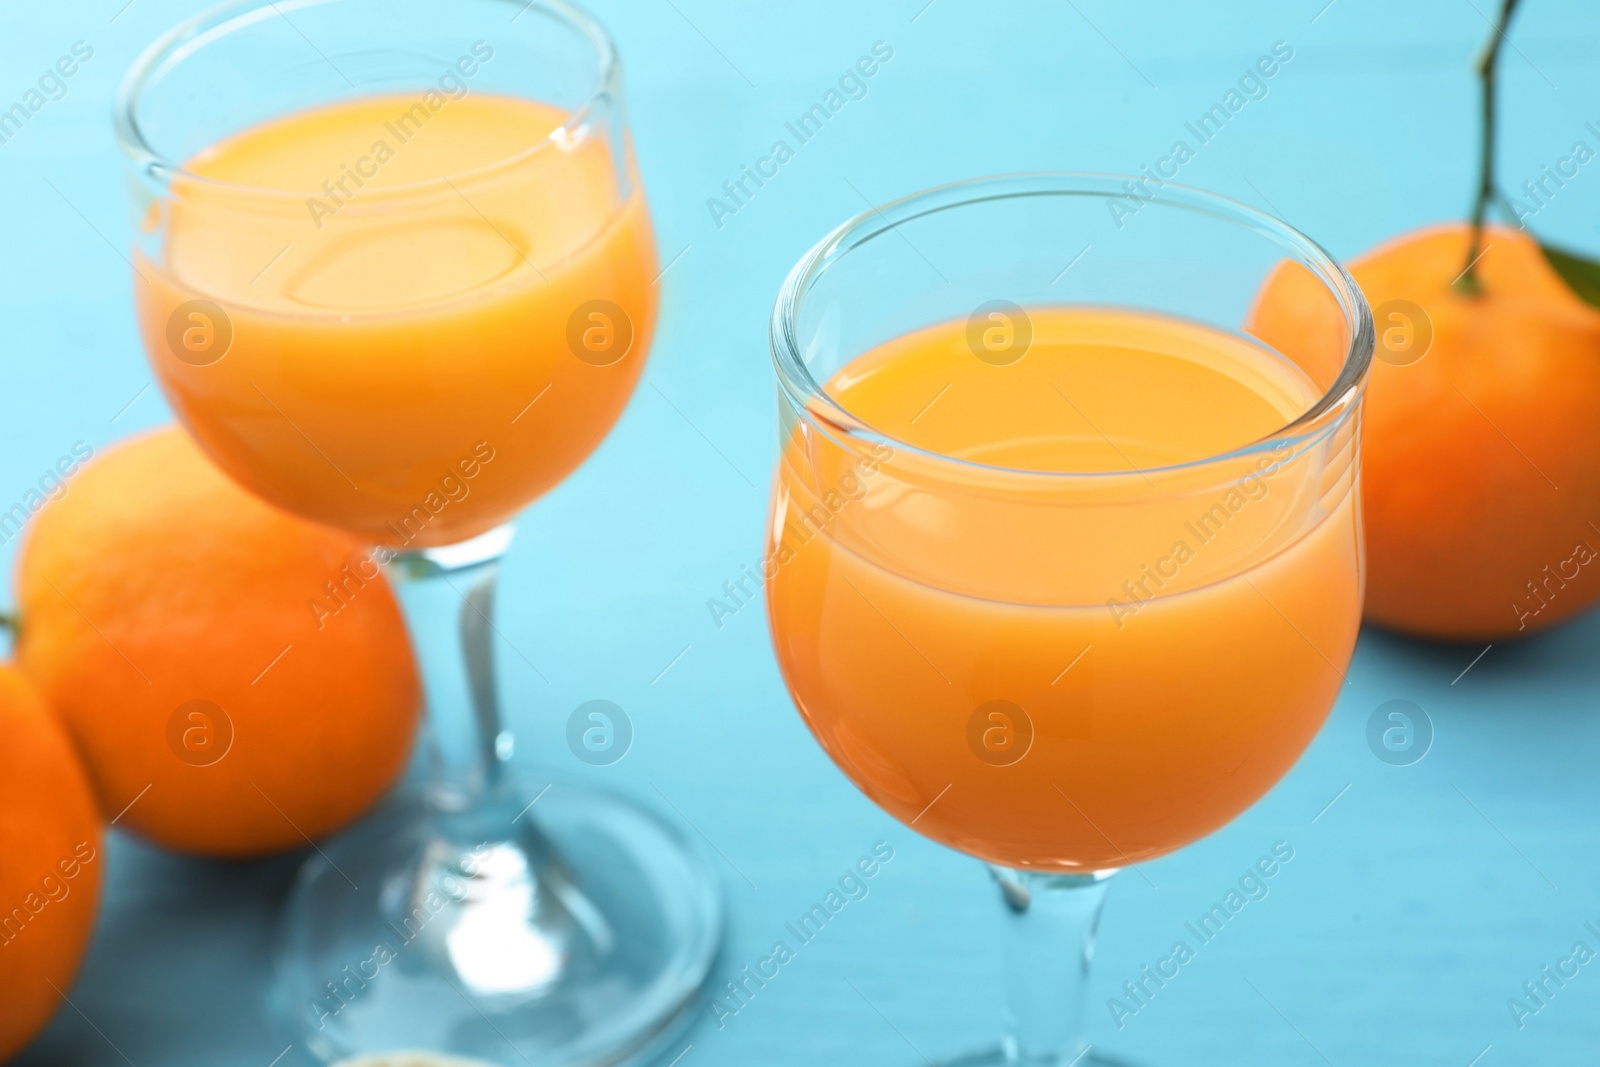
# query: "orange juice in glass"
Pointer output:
{"type": "Point", "coordinates": [424, 319]}
{"type": "Point", "coordinates": [395, 273]}
{"type": "Point", "coordinates": [1064, 565]}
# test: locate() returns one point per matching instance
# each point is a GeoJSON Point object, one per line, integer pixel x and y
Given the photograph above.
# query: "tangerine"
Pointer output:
{"type": "Point", "coordinates": [238, 680]}
{"type": "Point", "coordinates": [1481, 442]}
{"type": "Point", "coordinates": [49, 863]}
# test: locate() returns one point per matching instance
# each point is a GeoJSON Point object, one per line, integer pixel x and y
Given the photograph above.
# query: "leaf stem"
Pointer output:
{"type": "Point", "coordinates": [8, 623]}
{"type": "Point", "coordinates": [1488, 63]}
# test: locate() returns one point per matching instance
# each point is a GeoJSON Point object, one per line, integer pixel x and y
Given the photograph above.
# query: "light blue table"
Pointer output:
{"type": "Point", "coordinates": [1416, 904]}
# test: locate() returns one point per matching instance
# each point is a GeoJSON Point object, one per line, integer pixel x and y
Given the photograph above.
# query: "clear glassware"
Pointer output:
{"type": "Point", "coordinates": [373, 350]}
{"type": "Point", "coordinates": [1015, 658]}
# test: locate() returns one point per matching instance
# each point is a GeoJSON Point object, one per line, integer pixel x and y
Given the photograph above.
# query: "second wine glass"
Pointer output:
{"type": "Point", "coordinates": [1064, 562]}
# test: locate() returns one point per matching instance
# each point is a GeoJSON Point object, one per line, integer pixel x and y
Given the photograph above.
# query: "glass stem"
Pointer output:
{"type": "Point", "coordinates": [447, 595]}
{"type": "Point", "coordinates": [1049, 943]}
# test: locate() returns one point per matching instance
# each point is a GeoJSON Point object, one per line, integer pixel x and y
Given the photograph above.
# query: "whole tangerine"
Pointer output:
{"type": "Point", "coordinates": [238, 680]}
{"type": "Point", "coordinates": [1481, 439]}
{"type": "Point", "coordinates": [50, 863]}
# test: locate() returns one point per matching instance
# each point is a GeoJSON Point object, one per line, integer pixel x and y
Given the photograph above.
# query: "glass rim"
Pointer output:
{"type": "Point", "coordinates": [805, 393]}
{"type": "Point", "coordinates": [194, 33]}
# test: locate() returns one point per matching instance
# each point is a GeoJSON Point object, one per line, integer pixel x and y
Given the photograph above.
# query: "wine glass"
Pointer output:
{"type": "Point", "coordinates": [395, 273]}
{"type": "Point", "coordinates": [1064, 561]}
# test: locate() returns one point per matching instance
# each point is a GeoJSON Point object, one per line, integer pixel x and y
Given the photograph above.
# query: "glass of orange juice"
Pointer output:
{"type": "Point", "coordinates": [1064, 563]}
{"type": "Point", "coordinates": [395, 272]}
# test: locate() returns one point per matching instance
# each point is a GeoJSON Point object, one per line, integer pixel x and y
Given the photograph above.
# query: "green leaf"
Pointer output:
{"type": "Point", "coordinates": [1582, 275]}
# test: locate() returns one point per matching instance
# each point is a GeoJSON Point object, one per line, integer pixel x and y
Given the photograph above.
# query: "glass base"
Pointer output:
{"type": "Point", "coordinates": [565, 929]}
{"type": "Point", "coordinates": [996, 1056]}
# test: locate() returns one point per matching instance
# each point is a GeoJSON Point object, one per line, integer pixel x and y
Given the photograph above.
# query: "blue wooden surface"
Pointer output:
{"type": "Point", "coordinates": [1415, 905]}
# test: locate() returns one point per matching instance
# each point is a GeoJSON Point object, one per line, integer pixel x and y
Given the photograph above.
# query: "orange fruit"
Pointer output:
{"type": "Point", "coordinates": [185, 632]}
{"type": "Point", "coordinates": [50, 863]}
{"type": "Point", "coordinates": [1481, 438]}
